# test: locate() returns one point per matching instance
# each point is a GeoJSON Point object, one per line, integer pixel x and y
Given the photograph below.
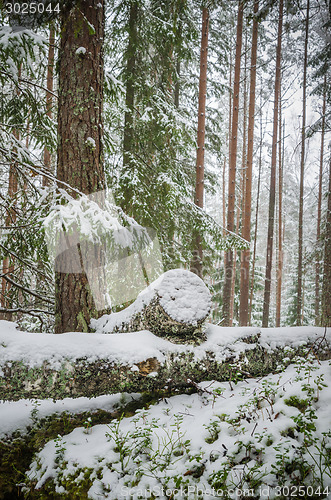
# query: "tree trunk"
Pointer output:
{"type": "Point", "coordinates": [200, 162]}
{"type": "Point", "coordinates": [299, 312]}
{"type": "Point", "coordinates": [49, 99]}
{"type": "Point", "coordinates": [8, 263]}
{"type": "Point", "coordinates": [108, 364]}
{"type": "Point", "coordinates": [232, 168]}
{"type": "Point", "coordinates": [246, 232]}
{"type": "Point", "coordinates": [326, 291]}
{"type": "Point", "coordinates": [229, 141]}
{"type": "Point", "coordinates": [272, 193]}
{"type": "Point", "coordinates": [79, 118]}
{"type": "Point", "coordinates": [174, 307]}
{"type": "Point", "coordinates": [252, 278]}
{"type": "Point", "coordinates": [128, 139]}
{"type": "Point", "coordinates": [280, 217]}
{"type": "Point", "coordinates": [10, 219]}
{"type": "Point", "coordinates": [319, 211]}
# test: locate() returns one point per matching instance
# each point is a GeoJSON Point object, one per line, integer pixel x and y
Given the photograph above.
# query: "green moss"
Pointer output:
{"type": "Point", "coordinates": [301, 404]}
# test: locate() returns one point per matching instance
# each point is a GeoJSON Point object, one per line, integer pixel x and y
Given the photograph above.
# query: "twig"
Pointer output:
{"type": "Point", "coordinates": [21, 287]}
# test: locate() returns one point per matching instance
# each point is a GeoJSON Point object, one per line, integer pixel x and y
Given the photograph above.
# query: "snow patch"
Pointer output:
{"type": "Point", "coordinates": [80, 51]}
{"type": "Point", "coordinates": [90, 142]}
{"type": "Point", "coordinates": [182, 295]}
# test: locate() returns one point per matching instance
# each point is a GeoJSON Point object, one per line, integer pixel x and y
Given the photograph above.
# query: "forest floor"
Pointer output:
{"type": "Point", "coordinates": [267, 437]}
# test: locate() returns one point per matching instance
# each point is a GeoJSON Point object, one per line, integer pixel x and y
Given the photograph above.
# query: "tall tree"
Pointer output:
{"type": "Point", "coordinates": [280, 216]}
{"type": "Point", "coordinates": [130, 73]}
{"type": "Point", "coordinates": [246, 232]}
{"type": "Point", "coordinates": [319, 212]}
{"type": "Point", "coordinates": [326, 290]}
{"type": "Point", "coordinates": [272, 192]}
{"type": "Point", "coordinates": [49, 97]}
{"type": "Point", "coordinates": [232, 167]}
{"type": "Point", "coordinates": [252, 274]}
{"type": "Point", "coordinates": [299, 311]}
{"type": "Point", "coordinates": [200, 161]}
{"type": "Point", "coordinates": [79, 139]}
{"type": "Point", "coordinates": [8, 261]}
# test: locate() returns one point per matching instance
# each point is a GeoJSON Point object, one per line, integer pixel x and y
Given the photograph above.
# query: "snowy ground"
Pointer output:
{"type": "Point", "coordinates": [36, 348]}
{"type": "Point", "coordinates": [259, 438]}
{"type": "Point", "coordinates": [265, 437]}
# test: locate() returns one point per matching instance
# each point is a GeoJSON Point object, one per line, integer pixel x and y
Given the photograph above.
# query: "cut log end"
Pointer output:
{"type": "Point", "coordinates": [175, 306]}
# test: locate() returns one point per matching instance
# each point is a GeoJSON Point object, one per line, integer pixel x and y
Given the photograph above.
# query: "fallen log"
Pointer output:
{"type": "Point", "coordinates": [77, 364]}
{"type": "Point", "coordinates": [175, 306]}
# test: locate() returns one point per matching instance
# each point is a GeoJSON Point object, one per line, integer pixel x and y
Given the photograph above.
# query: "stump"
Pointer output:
{"type": "Point", "coordinates": [174, 306]}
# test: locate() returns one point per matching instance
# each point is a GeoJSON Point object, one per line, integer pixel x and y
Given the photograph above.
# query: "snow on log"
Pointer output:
{"type": "Point", "coordinates": [43, 366]}
{"type": "Point", "coordinates": [174, 306]}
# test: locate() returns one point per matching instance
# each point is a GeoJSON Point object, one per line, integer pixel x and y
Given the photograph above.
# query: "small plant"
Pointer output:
{"type": "Point", "coordinates": [295, 401]}
{"type": "Point", "coordinates": [60, 449]}
{"type": "Point", "coordinates": [214, 429]}
{"type": "Point", "coordinates": [34, 411]}
{"type": "Point", "coordinates": [88, 425]}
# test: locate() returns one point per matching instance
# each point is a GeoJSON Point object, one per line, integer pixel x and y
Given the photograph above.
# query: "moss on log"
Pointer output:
{"type": "Point", "coordinates": [175, 307]}
{"type": "Point", "coordinates": [171, 366]}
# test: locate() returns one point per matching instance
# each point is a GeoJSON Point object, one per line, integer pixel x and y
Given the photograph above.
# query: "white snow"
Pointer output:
{"type": "Point", "coordinates": [17, 415]}
{"type": "Point", "coordinates": [80, 50]}
{"type": "Point", "coordinates": [130, 348]}
{"type": "Point", "coordinates": [36, 348]}
{"type": "Point", "coordinates": [250, 436]}
{"type": "Point", "coordinates": [90, 142]}
{"type": "Point", "coordinates": [250, 415]}
{"type": "Point", "coordinates": [182, 294]}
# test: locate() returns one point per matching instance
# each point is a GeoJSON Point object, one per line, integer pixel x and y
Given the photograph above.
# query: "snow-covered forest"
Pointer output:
{"type": "Point", "coordinates": [165, 228]}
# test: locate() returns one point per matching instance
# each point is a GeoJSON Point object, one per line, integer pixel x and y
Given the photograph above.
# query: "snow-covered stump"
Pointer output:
{"type": "Point", "coordinates": [75, 364]}
{"type": "Point", "coordinates": [174, 306]}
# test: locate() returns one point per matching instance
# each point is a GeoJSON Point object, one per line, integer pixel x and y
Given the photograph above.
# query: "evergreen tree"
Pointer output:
{"type": "Point", "coordinates": [79, 155]}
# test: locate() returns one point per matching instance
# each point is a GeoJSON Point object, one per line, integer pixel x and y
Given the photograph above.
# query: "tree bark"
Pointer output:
{"type": "Point", "coordinates": [105, 373]}
{"type": "Point", "coordinates": [252, 277]}
{"type": "Point", "coordinates": [319, 212]}
{"type": "Point", "coordinates": [299, 311]}
{"type": "Point", "coordinates": [79, 119]}
{"type": "Point", "coordinates": [10, 219]}
{"type": "Point", "coordinates": [326, 291]}
{"type": "Point", "coordinates": [197, 266]}
{"type": "Point", "coordinates": [246, 232]}
{"type": "Point", "coordinates": [49, 98]}
{"type": "Point", "coordinates": [280, 217]}
{"type": "Point", "coordinates": [232, 168]}
{"type": "Point", "coordinates": [128, 139]}
{"type": "Point", "coordinates": [272, 193]}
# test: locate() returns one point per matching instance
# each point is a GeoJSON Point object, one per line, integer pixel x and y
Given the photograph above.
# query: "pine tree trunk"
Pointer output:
{"type": "Point", "coordinates": [128, 139]}
{"type": "Point", "coordinates": [229, 135]}
{"type": "Point", "coordinates": [200, 162]}
{"type": "Point", "coordinates": [280, 218]}
{"type": "Point", "coordinates": [49, 99]}
{"type": "Point", "coordinates": [232, 169]}
{"type": "Point", "coordinates": [272, 193]}
{"type": "Point", "coordinates": [252, 277]}
{"type": "Point", "coordinates": [246, 232]}
{"type": "Point", "coordinates": [319, 211]}
{"type": "Point", "coordinates": [10, 219]}
{"type": "Point", "coordinates": [326, 291]}
{"type": "Point", "coordinates": [79, 118]}
{"type": "Point", "coordinates": [302, 174]}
